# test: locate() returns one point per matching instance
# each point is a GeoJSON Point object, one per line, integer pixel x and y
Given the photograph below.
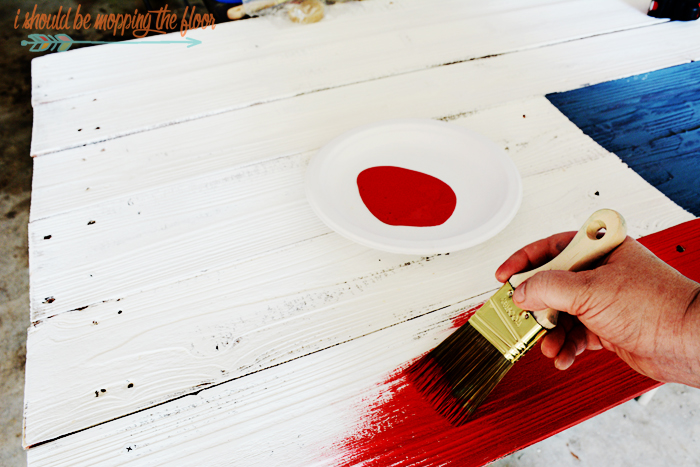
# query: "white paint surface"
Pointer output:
{"type": "Point", "coordinates": [265, 299]}
{"type": "Point", "coordinates": [203, 237]}
{"type": "Point", "coordinates": [382, 38]}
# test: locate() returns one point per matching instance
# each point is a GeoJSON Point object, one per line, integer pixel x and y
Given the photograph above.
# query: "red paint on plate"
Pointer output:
{"type": "Point", "coordinates": [532, 402]}
{"type": "Point", "coordinates": [398, 196]}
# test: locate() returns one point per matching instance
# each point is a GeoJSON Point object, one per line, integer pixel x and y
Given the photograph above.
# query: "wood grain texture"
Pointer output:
{"type": "Point", "coordinates": [385, 40]}
{"type": "Point", "coordinates": [86, 70]}
{"type": "Point", "coordinates": [239, 276]}
{"type": "Point", "coordinates": [217, 197]}
{"type": "Point", "coordinates": [652, 122]}
{"type": "Point", "coordinates": [80, 177]}
{"type": "Point", "coordinates": [532, 395]}
{"type": "Point", "coordinates": [172, 249]}
{"type": "Point", "coordinates": [345, 406]}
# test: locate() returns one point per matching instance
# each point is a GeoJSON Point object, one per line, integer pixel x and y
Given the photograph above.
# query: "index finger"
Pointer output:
{"type": "Point", "coordinates": [534, 255]}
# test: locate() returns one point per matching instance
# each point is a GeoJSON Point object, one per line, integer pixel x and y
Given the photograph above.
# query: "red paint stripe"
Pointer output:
{"type": "Point", "coordinates": [534, 400]}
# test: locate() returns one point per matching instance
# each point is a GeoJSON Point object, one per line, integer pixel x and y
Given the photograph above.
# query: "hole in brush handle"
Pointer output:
{"type": "Point", "coordinates": [596, 230]}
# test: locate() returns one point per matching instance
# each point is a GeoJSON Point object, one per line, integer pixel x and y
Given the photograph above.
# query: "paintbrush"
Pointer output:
{"type": "Point", "coordinates": [460, 373]}
{"type": "Point", "coordinates": [238, 12]}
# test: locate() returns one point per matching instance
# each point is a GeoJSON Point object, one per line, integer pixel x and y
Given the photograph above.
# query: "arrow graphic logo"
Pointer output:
{"type": "Point", "coordinates": [63, 42]}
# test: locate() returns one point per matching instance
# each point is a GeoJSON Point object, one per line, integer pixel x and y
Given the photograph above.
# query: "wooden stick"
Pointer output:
{"type": "Point", "coordinates": [240, 11]}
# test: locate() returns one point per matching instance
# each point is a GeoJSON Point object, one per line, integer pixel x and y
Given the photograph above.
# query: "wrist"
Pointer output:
{"type": "Point", "coordinates": [691, 338]}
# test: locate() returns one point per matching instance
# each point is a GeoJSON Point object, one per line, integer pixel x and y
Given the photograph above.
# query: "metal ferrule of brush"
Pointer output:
{"type": "Point", "coordinates": [509, 329]}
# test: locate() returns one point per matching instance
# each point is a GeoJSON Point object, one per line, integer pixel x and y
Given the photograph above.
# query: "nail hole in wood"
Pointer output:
{"type": "Point", "coordinates": [597, 193]}
{"type": "Point", "coordinates": [119, 312]}
{"type": "Point", "coordinates": [50, 299]}
{"type": "Point", "coordinates": [680, 249]}
{"type": "Point", "coordinates": [103, 390]}
{"type": "Point", "coordinates": [130, 385]}
{"type": "Point", "coordinates": [91, 222]}
{"type": "Point", "coordinates": [97, 128]}
{"type": "Point", "coordinates": [95, 323]}
{"type": "Point", "coordinates": [523, 116]}
{"type": "Point", "coordinates": [80, 129]}
{"type": "Point", "coordinates": [97, 394]}
{"type": "Point", "coordinates": [47, 237]}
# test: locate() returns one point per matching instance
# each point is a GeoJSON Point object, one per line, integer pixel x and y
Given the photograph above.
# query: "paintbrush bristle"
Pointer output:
{"type": "Point", "coordinates": [460, 373]}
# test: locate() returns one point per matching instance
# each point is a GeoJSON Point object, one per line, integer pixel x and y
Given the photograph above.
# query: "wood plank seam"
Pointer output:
{"type": "Point", "coordinates": [459, 308]}
{"type": "Point", "coordinates": [262, 101]}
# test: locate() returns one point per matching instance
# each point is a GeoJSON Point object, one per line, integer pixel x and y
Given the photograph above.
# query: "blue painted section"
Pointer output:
{"type": "Point", "coordinates": [651, 122]}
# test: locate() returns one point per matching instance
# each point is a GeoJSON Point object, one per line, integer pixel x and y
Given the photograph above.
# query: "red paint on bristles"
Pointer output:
{"type": "Point", "coordinates": [458, 375]}
{"type": "Point", "coordinates": [462, 318]}
{"type": "Point", "coordinates": [533, 401]}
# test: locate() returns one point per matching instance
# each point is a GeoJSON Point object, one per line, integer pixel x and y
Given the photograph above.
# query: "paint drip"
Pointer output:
{"type": "Point", "coordinates": [398, 196]}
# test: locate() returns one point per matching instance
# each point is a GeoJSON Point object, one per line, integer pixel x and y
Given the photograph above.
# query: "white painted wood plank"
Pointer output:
{"type": "Point", "coordinates": [455, 34]}
{"type": "Point", "coordinates": [249, 315]}
{"type": "Point", "coordinates": [81, 177]}
{"type": "Point", "coordinates": [86, 70]}
{"type": "Point", "coordinates": [289, 415]}
{"type": "Point", "coordinates": [147, 237]}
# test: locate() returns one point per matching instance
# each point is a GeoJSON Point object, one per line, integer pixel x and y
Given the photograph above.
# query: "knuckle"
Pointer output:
{"type": "Point", "coordinates": [582, 294]}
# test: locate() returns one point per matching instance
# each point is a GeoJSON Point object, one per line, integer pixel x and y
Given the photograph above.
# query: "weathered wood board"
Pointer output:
{"type": "Point", "coordinates": [287, 286]}
{"type": "Point", "coordinates": [650, 121]}
{"type": "Point", "coordinates": [381, 39]}
{"type": "Point", "coordinates": [174, 154]}
{"type": "Point", "coordinates": [187, 304]}
{"type": "Point", "coordinates": [351, 405]}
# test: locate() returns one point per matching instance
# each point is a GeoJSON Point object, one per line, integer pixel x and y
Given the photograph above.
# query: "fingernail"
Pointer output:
{"type": "Point", "coordinates": [519, 294]}
{"type": "Point", "coordinates": [561, 364]}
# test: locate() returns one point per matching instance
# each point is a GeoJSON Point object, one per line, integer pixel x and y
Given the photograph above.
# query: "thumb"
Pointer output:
{"type": "Point", "coordinates": [561, 290]}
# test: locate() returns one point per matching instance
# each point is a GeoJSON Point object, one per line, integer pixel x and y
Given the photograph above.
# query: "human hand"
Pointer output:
{"type": "Point", "coordinates": [633, 304]}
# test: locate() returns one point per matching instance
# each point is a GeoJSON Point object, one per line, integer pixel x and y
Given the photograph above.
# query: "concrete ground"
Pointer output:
{"type": "Point", "coordinates": [665, 432]}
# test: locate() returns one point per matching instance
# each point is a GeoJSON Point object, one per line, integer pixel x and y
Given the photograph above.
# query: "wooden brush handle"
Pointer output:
{"type": "Point", "coordinates": [238, 12]}
{"type": "Point", "coordinates": [585, 248]}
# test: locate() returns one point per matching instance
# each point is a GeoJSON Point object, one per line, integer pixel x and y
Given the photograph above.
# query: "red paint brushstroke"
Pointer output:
{"type": "Point", "coordinates": [462, 318]}
{"type": "Point", "coordinates": [533, 401]}
{"type": "Point", "coordinates": [398, 196]}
